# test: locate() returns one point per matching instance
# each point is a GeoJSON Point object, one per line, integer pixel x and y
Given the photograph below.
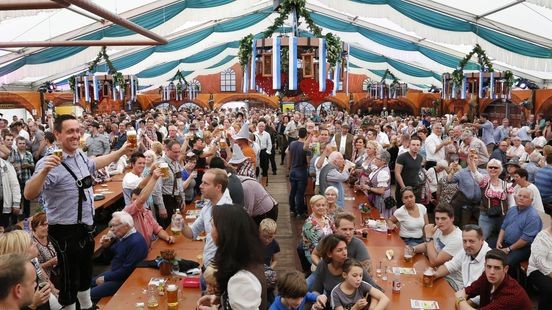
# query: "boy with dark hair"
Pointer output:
{"type": "Point", "coordinates": [497, 290]}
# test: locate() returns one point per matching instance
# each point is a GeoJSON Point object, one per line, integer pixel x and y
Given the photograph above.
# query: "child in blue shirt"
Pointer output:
{"type": "Point", "coordinates": [293, 294]}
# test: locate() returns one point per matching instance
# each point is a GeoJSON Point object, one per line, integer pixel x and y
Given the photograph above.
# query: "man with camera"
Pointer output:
{"type": "Point", "coordinates": [66, 187]}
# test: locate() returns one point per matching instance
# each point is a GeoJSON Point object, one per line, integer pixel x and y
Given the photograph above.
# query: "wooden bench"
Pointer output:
{"type": "Point", "coordinates": [103, 303]}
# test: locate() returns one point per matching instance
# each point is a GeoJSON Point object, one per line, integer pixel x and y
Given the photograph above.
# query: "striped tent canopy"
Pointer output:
{"type": "Point", "coordinates": [418, 40]}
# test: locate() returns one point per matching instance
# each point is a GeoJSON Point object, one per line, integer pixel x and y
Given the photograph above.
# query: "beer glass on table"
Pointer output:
{"type": "Point", "coordinates": [172, 296]}
{"type": "Point", "coordinates": [429, 276]}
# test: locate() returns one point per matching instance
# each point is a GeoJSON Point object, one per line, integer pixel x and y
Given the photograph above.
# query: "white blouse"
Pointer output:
{"type": "Point", "coordinates": [541, 253]}
{"type": "Point", "coordinates": [411, 227]}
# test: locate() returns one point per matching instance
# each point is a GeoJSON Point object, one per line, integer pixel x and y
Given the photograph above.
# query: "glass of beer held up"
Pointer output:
{"type": "Point", "coordinates": [58, 153]}
{"type": "Point", "coordinates": [131, 138]}
{"type": "Point", "coordinates": [164, 170]}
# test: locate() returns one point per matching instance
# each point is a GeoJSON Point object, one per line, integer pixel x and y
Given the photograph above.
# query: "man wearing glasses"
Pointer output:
{"type": "Point", "coordinates": [125, 247]}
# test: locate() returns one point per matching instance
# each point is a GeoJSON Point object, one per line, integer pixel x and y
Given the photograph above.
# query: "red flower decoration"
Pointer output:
{"type": "Point", "coordinates": [310, 88]}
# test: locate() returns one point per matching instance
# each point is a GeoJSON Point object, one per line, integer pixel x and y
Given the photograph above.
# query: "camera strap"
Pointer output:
{"type": "Point", "coordinates": [82, 195]}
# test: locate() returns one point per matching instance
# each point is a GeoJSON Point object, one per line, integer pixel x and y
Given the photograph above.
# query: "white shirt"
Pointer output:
{"type": "Point", "coordinates": [131, 181]}
{"type": "Point", "coordinates": [451, 243]}
{"type": "Point", "coordinates": [411, 227]}
{"type": "Point", "coordinates": [469, 269]}
{"type": "Point", "coordinates": [264, 141]}
{"type": "Point", "coordinates": [317, 181]}
{"type": "Point", "coordinates": [343, 144]}
{"type": "Point", "coordinates": [537, 199]}
{"type": "Point", "coordinates": [203, 224]}
{"type": "Point", "coordinates": [433, 178]}
{"type": "Point", "coordinates": [431, 144]}
{"type": "Point", "coordinates": [382, 138]}
{"type": "Point", "coordinates": [541, 256]}
{"type": "Point", "coordinates": [515, 151]}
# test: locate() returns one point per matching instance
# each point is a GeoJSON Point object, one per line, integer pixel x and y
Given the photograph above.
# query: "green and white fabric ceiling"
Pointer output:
{"type": "Point", "coordinates": [417, 40]}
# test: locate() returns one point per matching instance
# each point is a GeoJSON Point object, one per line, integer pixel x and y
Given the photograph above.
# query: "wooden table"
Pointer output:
{"type": "Point", "coordinates": [112, 191]}
{"type": "Point", "coordinates": [411, 285]}
{"type": "Point", "coordinates": [133, 290]}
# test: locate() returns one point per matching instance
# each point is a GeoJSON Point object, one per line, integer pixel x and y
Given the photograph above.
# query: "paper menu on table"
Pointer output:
{"type": "Point", "coordinates": [404, 270]}
{"type": "Point", "coordinates": [157, 281]}
{"type": "Point", "coordinates": [423, 304]}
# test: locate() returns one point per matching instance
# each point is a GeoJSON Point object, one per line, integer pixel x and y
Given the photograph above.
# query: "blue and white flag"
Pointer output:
{"type": "Point", "coordinates": [132, 89]}
{"type": "Point", "coordinates": [336, 78]}
{"type": "Point", "coordinates": [253, 65]}
{"type": "Point", "coordinates": [292, 63]}
{"type": "Point", "coordinates": [322, 64]}
{"type": "Point", "coordinates": [246, 78]}
{"type": "Point", "coordinates": [86, 90]}
{"type": "Point", "coordinates": [276, 57]}
{"type": "Point", "coordinates": [463, 90]}
{"type": "Point", "coordinates": [95, 87]}
{"type": "Point", "coordinates": [347, 72]}
{"type": "Point", "coordinates": [491, 87]}
{"type": "Point", "coordinates": [480, 92]}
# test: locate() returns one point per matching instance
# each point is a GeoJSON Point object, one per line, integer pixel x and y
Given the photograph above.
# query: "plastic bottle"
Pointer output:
{"type": "Point", "coordinates": [176, 223]}
{"type": "Point", "coordinates": [26, 225]}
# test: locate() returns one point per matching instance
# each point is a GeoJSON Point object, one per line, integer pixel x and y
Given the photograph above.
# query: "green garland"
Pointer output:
{"type": "Point", "coordinates": [333, 43]}
{"type": "Point", "coordinates": [482, 59]}
{"type": "Point", "coordinates": [508, 78]}
{"type": "Point", "coordinates": [387, 72]}
{"type": "Point", "coordinates": [118, 78]}
{"type": "Point", "coordinates": [333, 50]}
{"type": "Point", "coordinates": [246, 48]}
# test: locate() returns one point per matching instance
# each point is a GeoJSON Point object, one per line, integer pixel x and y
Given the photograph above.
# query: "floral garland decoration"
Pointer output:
{"type": "Point", "coordinates": [482, 59]}
{"type": "Point", "coordinates": [182, 84]}
{"type": "Point", "coordinates": [118, 78]}
{"type": "Point", "coordinates": [333, 52]}
{"type": "Point", "coordinates": [508, 78]}
{"type": "Point", "coordinates": [387, 72]}
{"type": "Point", "coordinates": [393, 84]}
{"type": "Point", "coordinates": [245, 49]}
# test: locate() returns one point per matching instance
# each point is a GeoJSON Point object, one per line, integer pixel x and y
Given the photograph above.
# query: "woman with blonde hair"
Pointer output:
{"type": "Point", "coordinates": [19, 241]}
{"type": "Point", "coordinates": [317, 225]}
{"type": "Point", "coordinates": [151, 158]}
{"type": "Point", "coordinates": [331, 193]}
{"type": "Point", "coordinates": [157, 148]}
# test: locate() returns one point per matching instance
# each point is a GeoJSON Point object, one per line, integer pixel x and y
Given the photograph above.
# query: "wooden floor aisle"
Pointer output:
{"type": "Point", "coordinates": [288, 227]}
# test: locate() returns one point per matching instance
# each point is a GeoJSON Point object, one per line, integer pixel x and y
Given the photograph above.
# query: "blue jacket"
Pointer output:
{"type": "Point", "coordinates": [125, 254]}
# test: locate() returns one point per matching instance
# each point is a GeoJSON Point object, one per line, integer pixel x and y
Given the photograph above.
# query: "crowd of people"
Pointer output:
{"type": "Point", "coordinates": [471, 195]}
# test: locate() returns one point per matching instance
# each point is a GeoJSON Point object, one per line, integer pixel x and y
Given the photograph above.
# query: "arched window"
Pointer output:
{"type": "Point", "coordinates": [190, 106]}
{"type": "Point", "coordinates": [366, 83]}
{"type": "Point", "coordinates": [325, 106]}
{"type": "Point", "coordinates": [305, 108]}
{"type": "Point", "coordinates": [194, 89]}
{"type": "Point", "coordinates": [228, 80]}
